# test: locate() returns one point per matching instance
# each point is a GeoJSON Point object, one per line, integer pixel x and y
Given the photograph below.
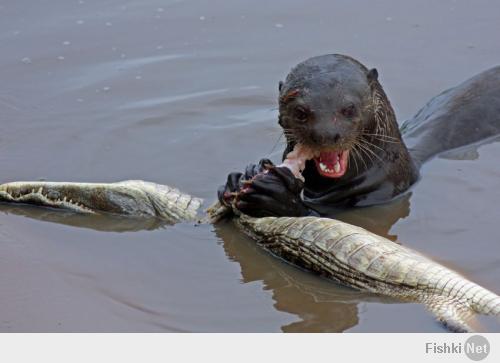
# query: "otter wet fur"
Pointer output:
{"type": "Point", "coordinates": [337, 106]}
{"type": "Point", "coordinates": [333, 112]}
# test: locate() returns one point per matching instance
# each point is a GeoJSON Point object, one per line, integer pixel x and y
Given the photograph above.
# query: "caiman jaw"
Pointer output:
{"type": "Point", "coordinates": [41, 197]}
{"type": "Point", "coordinates": [332, 164]}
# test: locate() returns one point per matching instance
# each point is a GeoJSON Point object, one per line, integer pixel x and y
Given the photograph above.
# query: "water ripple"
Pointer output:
{"type": "Point", "coordinates": [104, 71]}
{"type": "Point", "coordinates": [170, 99]}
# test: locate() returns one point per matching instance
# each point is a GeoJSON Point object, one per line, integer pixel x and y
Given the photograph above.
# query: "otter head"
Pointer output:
{"type": "Point", "coordinates": [327, 103]}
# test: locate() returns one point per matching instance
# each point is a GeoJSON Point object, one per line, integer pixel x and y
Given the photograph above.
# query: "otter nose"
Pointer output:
{"type": "Point", "coordinates": [317, 139]}
{"type": "Point", "coordinates": [325, 139]}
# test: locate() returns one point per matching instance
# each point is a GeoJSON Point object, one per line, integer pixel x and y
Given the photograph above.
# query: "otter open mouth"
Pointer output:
{"type": "Point", "coordinates": [332, 164]}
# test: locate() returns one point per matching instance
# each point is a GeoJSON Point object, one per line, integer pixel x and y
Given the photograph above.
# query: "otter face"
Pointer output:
{"type": "Point", "coordinates": [325, 105]}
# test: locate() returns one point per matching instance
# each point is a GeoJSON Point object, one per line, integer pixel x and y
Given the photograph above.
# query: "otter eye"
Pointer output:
{"type": "Point", "coordinates": [301, 113]}
{"type": "Point", "coordinates": [349, 111]}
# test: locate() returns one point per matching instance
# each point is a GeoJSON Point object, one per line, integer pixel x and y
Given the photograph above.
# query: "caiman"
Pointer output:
{"type": "Point", "coordinates": [342, 252]}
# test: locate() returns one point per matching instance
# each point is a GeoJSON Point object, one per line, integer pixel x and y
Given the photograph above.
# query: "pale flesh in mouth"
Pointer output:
{"type": "Point", "coordinates": [296, 160]}
{"type": "Point", "coordinates": [330, 164]}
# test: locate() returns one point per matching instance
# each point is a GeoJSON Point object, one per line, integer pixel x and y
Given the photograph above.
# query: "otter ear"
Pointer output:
{"type": "Point", "coordinates": [372, 75]}
{"type": "Point", "coordinates": [280, 86]}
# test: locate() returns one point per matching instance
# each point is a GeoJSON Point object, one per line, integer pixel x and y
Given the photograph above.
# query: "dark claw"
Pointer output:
{"type": "Point", "coordinates": [252, 170]}
{"type": "Point", "coordinates": [225, 193]}
{"type": "Point", "coordinates": [264, 190]}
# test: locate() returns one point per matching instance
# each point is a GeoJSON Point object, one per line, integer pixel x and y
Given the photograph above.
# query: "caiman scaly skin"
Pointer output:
{"type": "Point", "coordinates": [365, 261]}
{"type": "Point", "coordinates": [132, 197]}
{"type": "Point", "coordinates": [340, 251]}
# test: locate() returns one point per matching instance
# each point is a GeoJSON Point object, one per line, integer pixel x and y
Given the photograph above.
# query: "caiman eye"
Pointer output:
{"type": "Point", "coordinates": [301, 114]}
{"type": "Point", "coordinates": [349, 111]}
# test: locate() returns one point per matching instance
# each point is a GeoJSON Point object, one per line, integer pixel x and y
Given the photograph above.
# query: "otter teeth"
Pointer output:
{"type": "Point", "coordinates": [324, 168]}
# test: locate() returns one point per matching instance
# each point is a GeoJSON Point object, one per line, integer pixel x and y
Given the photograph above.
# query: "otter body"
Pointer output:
{"type": "Point", "coordinates": [463, 115]}
{"type": "Point", "coordinates": [335, 105]}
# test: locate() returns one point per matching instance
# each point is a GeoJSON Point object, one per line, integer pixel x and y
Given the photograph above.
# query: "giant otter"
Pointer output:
{"type": "Point", "coordinates": [337, 106]}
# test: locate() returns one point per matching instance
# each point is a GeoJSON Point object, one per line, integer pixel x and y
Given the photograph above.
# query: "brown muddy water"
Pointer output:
{"type": "Point", "coordinates": [183, 92]}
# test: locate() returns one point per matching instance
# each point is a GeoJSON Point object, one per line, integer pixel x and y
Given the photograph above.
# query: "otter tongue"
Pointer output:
{"type": "Point", "coordinates": [329, 158]}
{"type": "Point", "coordinates": [331, 163]}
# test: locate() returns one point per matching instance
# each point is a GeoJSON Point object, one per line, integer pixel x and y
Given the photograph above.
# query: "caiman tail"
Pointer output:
{"type": "Point", "coordinates": [365, 261]}
{"type": "Point", "coordinates": [342, 252]}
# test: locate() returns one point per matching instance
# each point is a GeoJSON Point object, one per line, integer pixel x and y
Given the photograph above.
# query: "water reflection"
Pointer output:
{"type": "Point", "coordinates": [468, 152]}
{"type": "Point", "coordinates": [378, 219]}
{"type": "Point", "coordinates": [319, 304]}
{"type": "Point", "coordinates": [103, 222]}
